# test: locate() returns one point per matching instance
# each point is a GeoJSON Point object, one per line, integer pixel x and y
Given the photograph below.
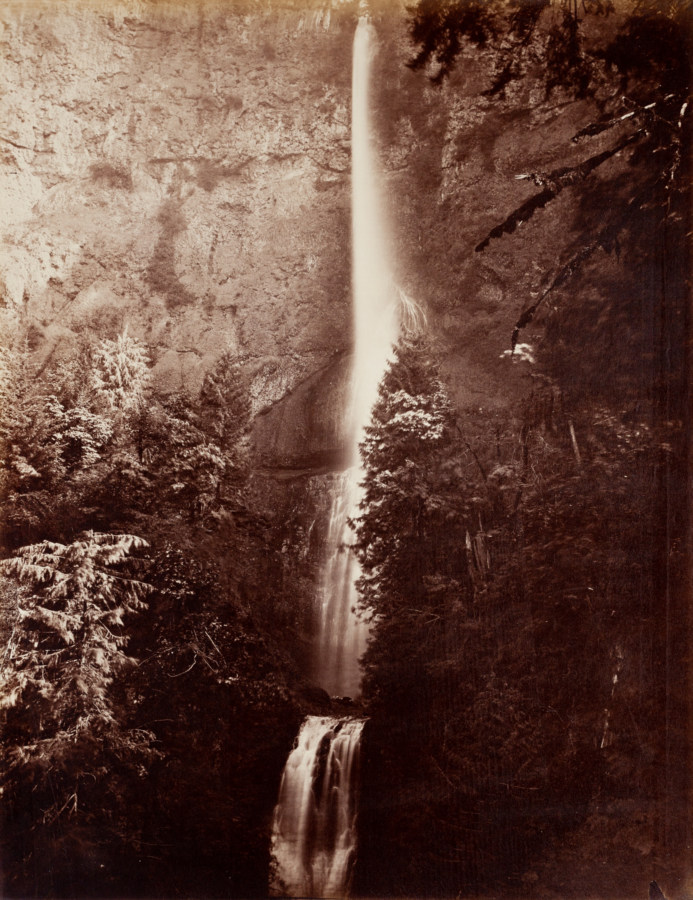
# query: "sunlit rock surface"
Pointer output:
{"type": "Point", "coordinates": [184, 168]}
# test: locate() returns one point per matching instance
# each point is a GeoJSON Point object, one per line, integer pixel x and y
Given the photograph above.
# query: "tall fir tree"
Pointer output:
{"type": "Point", "coordinates": [402, 528]}
{"type": "Point", "coordinates": [69, 758]}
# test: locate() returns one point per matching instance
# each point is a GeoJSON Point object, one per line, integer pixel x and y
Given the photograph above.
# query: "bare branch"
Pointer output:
{"type": "Point", "coordinates": [553, 183]}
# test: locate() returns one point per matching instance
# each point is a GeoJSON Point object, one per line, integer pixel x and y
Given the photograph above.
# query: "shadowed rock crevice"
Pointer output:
{"type": "Point", "coordinates": [162, 276]}
{"type": "Point", "coordinates": [304, 431]}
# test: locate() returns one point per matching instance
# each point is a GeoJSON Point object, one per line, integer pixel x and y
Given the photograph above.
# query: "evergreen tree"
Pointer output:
{"type": "Point", "coordinates": [224, 402]}
{"type": "Point", "coordinates": [403, 532]}
{"type": "Point", "coordinates": [187, 465]}
{"type": "Point", "coordinates": [79, 434]}
{"type": "Point", "coordinates": [226, 700]}
{"type": "Point", "coordinates": [32, 469]}
{"type": "Point", "coordinates": [67, 750]}
{"type": "Point", "coordinates": [415, 583]}
{"type": "Point", "coordinates": [224, 412]}
{"type": "Point", "coordinates": [120, 375]}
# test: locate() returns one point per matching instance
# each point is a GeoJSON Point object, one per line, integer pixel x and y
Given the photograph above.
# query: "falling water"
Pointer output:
{"type": "Point", "coordinates": [342, 635]}
{"type": "Point", "coordinates": [314, 838]}
{"type": "Point", "coordinates": [314, 831]}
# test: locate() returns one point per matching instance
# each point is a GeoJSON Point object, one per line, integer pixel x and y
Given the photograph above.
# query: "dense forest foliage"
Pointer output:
{"type": "Point", "coordinates": [147, 704]}
{"type": "Point", "coordinates": [517, 680]}
{"type": "Point", "coordinates": [526, 573]}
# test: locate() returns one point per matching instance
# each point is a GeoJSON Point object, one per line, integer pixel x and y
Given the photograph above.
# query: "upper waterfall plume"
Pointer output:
{"type": "Point", "coordinates": [342, 636]}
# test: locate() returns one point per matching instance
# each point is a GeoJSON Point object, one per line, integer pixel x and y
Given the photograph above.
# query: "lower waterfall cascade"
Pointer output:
{"type": "Point", "coordinates": [314, 832]}
{"type": "Point", "coordinates": [314, 828]}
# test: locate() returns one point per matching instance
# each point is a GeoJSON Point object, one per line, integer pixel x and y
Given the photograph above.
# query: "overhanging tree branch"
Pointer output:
{"type": "Point", "coordinates": [553, 184]}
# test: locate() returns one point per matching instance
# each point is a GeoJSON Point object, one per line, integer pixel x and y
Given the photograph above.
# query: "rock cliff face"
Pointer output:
{"type": "Point", "coordinates": [183, 169]}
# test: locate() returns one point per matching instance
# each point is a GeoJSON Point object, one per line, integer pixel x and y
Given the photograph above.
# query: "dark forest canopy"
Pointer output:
{"type": "Point", "coordinates": [131, 647]}
{"type": "Point", "coordinates": [544, 669]}
{"type": "Point", "coordinates": [576, 42]}
{"type": "Point", "coordinates": [516, 574]}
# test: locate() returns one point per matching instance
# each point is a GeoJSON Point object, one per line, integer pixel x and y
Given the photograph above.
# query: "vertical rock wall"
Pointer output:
{"type": "Point", "coordinates": [182, 169]}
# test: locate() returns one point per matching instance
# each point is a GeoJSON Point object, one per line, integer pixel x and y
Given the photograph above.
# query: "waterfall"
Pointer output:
{"type": "Point", "coordinates": [314, 837]}
{"type": "Point", "coordinates": [314, 828]}
{"type": "Point", "coordinates": [342, 635]}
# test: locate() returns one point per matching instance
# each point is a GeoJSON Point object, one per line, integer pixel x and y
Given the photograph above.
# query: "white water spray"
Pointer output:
{"type": "Point", "coordinates": [341, 635]}
{"type": "Point", "coordinates": [314, 831]}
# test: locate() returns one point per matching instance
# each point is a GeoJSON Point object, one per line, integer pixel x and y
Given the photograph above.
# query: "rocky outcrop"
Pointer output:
{"type": "Point", "coordinates": [305, 430]}
{"type": "Point", "coordinates": [457, 163]}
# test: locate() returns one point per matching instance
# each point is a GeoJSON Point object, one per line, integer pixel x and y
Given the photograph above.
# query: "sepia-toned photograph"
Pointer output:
{"type": "Point", "coordinates": [345, 475]}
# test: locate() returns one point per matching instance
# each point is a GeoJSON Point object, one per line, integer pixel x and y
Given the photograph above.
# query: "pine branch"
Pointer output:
{"type": "Point", "coordinates": [595, 128]}
{"type": "Point", "coordinates": [553, 184]}
{"type": "Point", "coordinates": [29, 572]}
{"type": "Point", "coordinates": [606, 239]}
